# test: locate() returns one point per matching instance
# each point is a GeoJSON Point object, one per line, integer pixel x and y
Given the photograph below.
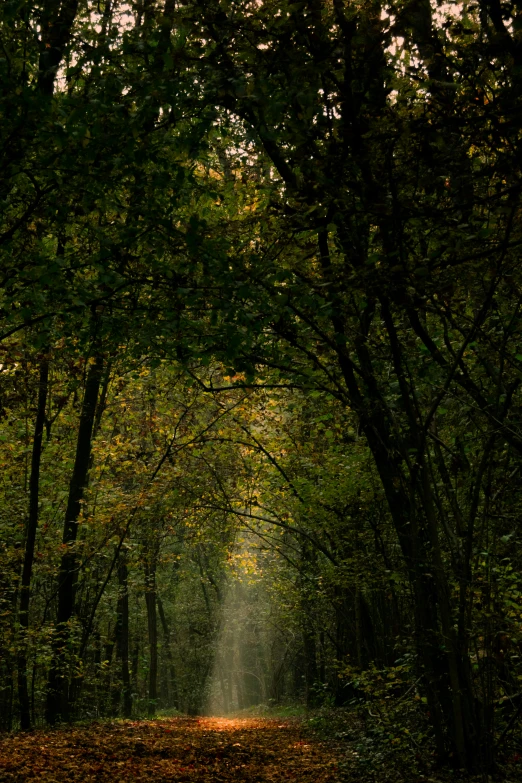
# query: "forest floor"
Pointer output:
{"type": "Point", "coordinates": [193, 750]}
{"type": "Point", "coordinates": [224, 750]}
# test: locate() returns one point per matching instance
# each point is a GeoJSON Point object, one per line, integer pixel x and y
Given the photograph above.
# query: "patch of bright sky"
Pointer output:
{"type": "Point", "coordinates": [121, 19]}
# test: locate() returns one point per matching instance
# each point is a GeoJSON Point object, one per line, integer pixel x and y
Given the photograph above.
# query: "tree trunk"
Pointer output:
{"type": "Point", "coordinates": [6, 691]}
{"type": "Point", "coordinates": [310, 659]}
{"type": "Point", "coordinates": [172, 690]}
{"type": "Point", "coordinates": [122, 635]}
{"type": "Point", "coordinates": [433, 623]}
{"type": "Point", "coordinates": [57, 707]}
{"type": "Point", "coordinates": [152, 623]}
{"type": "Point", "coordinates": [135, 664]}
{"type": "Point", "coordinates": [30, 538]}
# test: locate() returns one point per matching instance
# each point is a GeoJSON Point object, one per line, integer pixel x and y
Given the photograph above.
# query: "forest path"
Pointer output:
{"type": "Point", "coordinates": [192, 750]}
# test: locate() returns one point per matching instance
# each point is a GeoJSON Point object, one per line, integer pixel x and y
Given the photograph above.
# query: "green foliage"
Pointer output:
{"type": "Point", "coordinates": [290, 234]}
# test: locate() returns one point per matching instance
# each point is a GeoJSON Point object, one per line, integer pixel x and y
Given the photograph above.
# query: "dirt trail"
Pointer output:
{"type": "Point", "coordinates": [196, 750]}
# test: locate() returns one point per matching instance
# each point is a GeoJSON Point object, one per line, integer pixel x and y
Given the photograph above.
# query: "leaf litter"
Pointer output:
{"type": "Point", "coordinates": [192, 750]}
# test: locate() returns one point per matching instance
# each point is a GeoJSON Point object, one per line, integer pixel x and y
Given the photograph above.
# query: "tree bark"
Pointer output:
{"type": "Point", "coordinates": [152, 623]}
{"type": "Point", "coordinates": [58, 19]}
{"type": "Point", "coordinates": [57, 707]}
{"type": "Point", "coordinates": [122, 635]}
{"type": "Point", "coordinates": [30, 539]}
{"type": "Point", "coordinates": [172, 691]}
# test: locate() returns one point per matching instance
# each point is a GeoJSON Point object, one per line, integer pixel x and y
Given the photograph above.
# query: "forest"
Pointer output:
{"type": "Point", "coordinates": [260, 371]}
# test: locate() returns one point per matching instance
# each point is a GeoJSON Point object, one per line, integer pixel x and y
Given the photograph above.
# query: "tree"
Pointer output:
{"type": "Point", "coordinates": [30, 539]}
{"type": "Point", "coordinates": [389, 168]}
{"type": "Point", "coordinates": [316, 202]}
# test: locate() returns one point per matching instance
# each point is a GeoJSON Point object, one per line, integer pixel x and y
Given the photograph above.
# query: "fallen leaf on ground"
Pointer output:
{"type": "Point", "coordinates": [188, 750]}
